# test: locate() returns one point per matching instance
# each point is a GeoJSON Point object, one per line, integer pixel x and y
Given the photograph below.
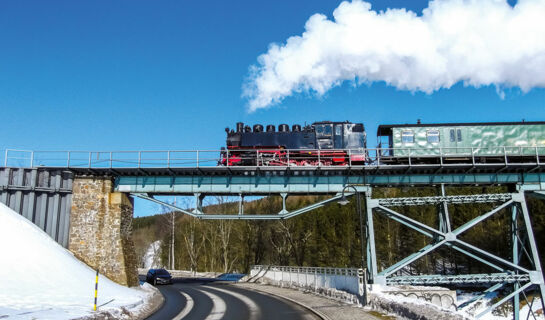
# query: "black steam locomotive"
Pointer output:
{"type": "Point", "coordinates": [323, 143]}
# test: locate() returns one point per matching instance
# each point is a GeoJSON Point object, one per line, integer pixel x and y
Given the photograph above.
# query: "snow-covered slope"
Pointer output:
{"type": "Point", "coordinates": [42, 280]}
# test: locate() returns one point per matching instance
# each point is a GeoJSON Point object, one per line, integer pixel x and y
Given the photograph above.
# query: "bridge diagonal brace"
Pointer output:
{"type": "Point", "coordinates": [312, 207]}
{"type": "Point", "coordinates": [490, 255]}
{"type": "Point", "coordinates": [168, 205]}
{"type": "Point", "coordinates": [505, 299]}
{"type": "Point", "coordinates": [413, 257]}
{"type": "Point", "coordinates": [538, 194]}
{"type": "Point", "coordinates": [198, 213]}
{"type": "Point", "coordinates": [480, 218]}
{"type": "Point", "coordinates": [471, 255]}
{"type": "Point", "coordinates": [411, 223]}
{"type": "Point", "coordinates": [493, 288]}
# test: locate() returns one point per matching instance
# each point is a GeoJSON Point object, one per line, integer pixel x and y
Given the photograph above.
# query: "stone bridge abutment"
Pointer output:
{"type": "Point", "coordinates": [100, 229]}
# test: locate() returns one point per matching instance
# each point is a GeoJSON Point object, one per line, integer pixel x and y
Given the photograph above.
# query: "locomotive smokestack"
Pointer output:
{"type": "Point", "coordinates": [240, 127]}
{"type": "Point", "coordinates": [258, 128]}
{"type": "Point", "coordinates": [283, 128]}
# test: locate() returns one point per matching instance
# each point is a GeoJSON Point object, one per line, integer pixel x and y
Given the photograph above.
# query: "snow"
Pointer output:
{"type": "Point", "coordinates": [479, 306]}
{"type": "Point", "coordinates": [469, 311]}
{"type": "Point", "coordinates": [43, 280]}
{"type": "Point", "coordinates": [152, 258]}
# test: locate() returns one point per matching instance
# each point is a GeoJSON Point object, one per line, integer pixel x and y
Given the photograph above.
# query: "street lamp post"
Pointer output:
{"type": "Point", "coordinates": [343, 201]}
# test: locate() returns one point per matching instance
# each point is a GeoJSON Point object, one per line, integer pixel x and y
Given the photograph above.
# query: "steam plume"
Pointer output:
{"type": "Point", "coordinates": [478, 42]}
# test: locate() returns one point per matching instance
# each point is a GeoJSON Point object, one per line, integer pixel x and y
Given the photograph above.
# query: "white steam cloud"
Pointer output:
{"type": "Point", "coordinates": [478, 42]}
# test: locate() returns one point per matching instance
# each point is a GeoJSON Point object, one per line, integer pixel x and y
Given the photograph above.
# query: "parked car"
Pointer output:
{"type": "Point", "coordinates": [230, 277]}
{"type": "Point", "coordinates": [158, 276]}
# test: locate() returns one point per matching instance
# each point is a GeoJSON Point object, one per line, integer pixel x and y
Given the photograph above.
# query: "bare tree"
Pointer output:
{"type": "Point", "coordinates": [211, 236]}
{"type": "Point", "coordinates": [170, 221]}
{"type": "Point", "coordinates": [298, 240]}
{"type": "Point", "coordinates": [281, 244]}
{"type": "Point", "coordinates": [224, 229]}
{"type": "Point", "coordinates": [286, 241]}
{"type": "Point", "coordinates": [193, 242]}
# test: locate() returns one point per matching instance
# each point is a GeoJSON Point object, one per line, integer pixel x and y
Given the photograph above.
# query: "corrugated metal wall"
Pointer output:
{"type": "Point", "coordinates": [42, 196]}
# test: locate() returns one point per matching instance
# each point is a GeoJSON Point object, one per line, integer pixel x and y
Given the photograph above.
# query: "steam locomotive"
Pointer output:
{"type": "Point", "coordinates": [323, 143]}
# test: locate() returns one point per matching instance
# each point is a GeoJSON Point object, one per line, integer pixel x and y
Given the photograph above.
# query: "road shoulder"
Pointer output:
{"type": "Point", "coordinates": [326, 308]}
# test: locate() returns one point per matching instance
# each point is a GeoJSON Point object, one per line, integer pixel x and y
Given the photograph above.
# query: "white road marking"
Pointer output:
{"type": "Point", "coordinates": [219, 308]}
{"type": "Point", "coordinates": [255, 311]}
{"type": "Point", "coordinates": [188, 306]}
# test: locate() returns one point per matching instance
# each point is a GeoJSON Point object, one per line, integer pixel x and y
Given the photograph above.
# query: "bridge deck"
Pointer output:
{"type": "Point", "coordinates": [435, 169]}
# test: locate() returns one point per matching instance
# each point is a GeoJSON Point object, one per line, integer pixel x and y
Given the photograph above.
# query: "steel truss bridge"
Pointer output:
{"type": "Point", "coordinates": [150, 174]}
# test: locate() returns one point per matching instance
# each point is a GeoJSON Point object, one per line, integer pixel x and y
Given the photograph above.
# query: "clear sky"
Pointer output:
{"type": "Point", "coordinates": [151, 75]}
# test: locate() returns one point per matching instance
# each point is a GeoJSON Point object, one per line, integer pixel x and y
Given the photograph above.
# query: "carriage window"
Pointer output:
{"type": "Point", "coordinates": [433, 136]}
{"type": "Point", "coordinates": [407, 137]}
{"type": "Point", "coordinates": [452, 135]}
{"type": "Point", "coordinates": [338, 130]}
{"type": "Point", "coordinates": [459, 133]}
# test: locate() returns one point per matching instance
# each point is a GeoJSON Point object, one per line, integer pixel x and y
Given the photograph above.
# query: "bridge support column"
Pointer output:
{"type": "Point", "coordinates": [100, 229]}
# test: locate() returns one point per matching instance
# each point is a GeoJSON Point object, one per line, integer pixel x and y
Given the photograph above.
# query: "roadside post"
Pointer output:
{"type": "Point", "coordinates": [96, 290]}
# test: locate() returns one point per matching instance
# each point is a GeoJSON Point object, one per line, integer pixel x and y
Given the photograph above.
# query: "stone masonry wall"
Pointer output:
{"type": "Point", "coordinates": [101, 227]}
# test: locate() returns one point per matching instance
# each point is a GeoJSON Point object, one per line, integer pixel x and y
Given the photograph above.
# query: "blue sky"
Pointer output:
{"type": "Point", "coordinates": [149, 75]}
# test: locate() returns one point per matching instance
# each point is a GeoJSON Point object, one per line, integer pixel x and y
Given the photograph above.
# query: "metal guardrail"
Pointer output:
{"type": "Point", "coordinates": [351, 280]}
{"type": "Point", "coordinates": [352, 272]}
{"type": "Point", "coordinates": [503, 155]}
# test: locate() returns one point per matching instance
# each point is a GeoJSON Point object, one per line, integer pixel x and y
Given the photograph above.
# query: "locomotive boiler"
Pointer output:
{"type": "Point", "coordinates": [324, 143]}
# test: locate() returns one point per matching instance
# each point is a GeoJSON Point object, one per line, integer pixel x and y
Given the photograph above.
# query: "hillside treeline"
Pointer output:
{"type": "Point", "coordinates": [329, 236]}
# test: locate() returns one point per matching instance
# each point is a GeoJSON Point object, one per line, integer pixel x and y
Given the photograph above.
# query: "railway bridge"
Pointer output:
{"type": "Point", "coordinates": [84, 201]}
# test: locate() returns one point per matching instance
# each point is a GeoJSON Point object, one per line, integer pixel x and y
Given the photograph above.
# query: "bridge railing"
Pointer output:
{"type": "Point", "coordinates": [350, 280]}
{"type": "Point", "coordinates": [499, 155]}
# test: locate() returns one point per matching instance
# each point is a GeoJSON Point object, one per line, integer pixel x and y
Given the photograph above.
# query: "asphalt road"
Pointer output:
{"type": "Point", "coordinates": [206, 299]}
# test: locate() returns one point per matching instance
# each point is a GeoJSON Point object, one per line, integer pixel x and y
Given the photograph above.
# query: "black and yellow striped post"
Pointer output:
{"type": "Point", "coordinates": [96, 290]}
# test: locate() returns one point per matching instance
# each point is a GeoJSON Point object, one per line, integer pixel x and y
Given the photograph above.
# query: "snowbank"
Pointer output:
{"type": "Point", "coordinates": [502, 312]}
{"type": "Point", "coordinates": [43, 280]}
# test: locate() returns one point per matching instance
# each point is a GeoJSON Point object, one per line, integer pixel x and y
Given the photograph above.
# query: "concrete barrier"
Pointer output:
{"type": "Point", "coordinates": [439, 297]}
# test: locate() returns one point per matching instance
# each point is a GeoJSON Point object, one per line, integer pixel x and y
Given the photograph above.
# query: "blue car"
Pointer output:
{"type": "Point", "coordinates": [230, 277]}
{"type": "Point", "coordinates": [158, 276]}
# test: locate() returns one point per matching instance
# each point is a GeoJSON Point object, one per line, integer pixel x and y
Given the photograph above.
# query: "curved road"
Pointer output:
{"type": "Point", "coordinates": [206, 299]}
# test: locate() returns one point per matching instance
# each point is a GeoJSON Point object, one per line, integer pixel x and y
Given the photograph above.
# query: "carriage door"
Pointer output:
{"type": "Point", "coordinates": [338, 137]}
{"type": "Point", "coordinates": [454, 144]}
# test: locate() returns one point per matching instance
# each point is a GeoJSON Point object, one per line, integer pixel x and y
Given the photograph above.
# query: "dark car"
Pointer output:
{"type": "Point", "coordinates": [158, 276]}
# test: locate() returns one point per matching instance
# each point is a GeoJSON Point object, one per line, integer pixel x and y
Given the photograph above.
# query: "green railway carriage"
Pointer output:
{"type": "Point", "coordinates": [481, 142]}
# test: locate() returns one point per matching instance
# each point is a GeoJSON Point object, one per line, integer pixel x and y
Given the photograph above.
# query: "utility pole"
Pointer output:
{"type": "Point", "coordinates": [173, 217]}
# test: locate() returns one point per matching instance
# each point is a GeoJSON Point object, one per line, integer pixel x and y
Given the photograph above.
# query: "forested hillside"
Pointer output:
{"type": "Point", "coordinates": [329, 236]}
